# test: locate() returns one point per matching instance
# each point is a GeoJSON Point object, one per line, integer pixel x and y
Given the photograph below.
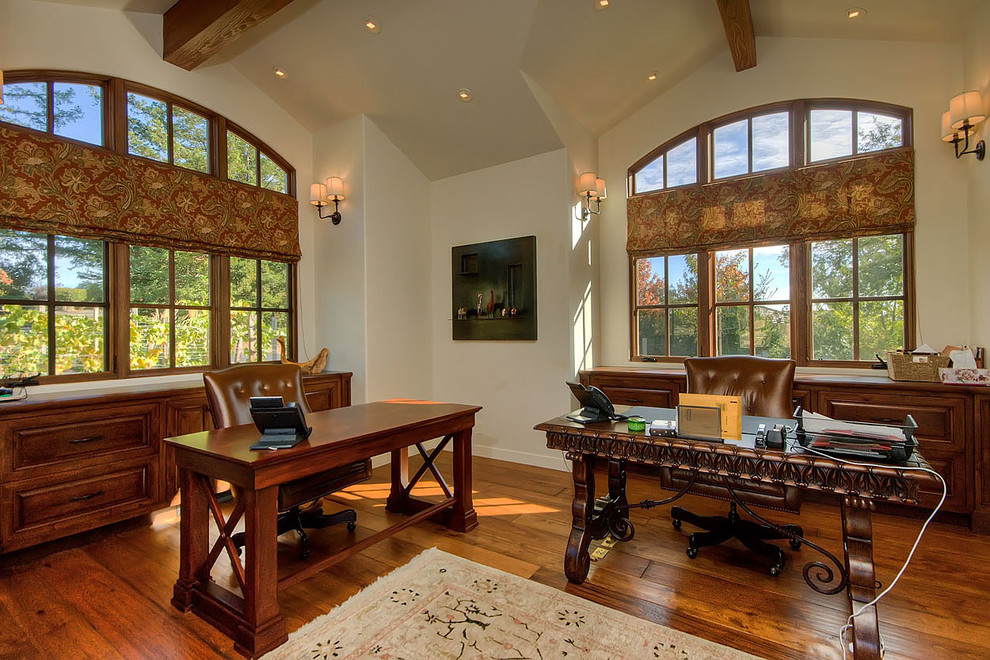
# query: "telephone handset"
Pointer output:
{"type": "Point", "coordinates": [597, 407]}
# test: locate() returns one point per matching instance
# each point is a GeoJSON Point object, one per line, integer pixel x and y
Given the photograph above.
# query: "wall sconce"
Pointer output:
{"type": "Point", "coordinates": [965, 112]}
{"type": "Point", "coordinates": [333, 190]}
{"type": "Point", "coordinates": [591, 187]}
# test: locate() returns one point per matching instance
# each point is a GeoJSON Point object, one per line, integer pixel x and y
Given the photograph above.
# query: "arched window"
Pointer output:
{"type": "Point", "coordinates": [83, 307]}
{"type": "Point", "coordinates": [761, 241]}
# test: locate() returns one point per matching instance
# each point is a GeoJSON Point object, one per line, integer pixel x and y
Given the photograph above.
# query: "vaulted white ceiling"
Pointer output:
{"type": "Point", "coordinates": [592, 64]}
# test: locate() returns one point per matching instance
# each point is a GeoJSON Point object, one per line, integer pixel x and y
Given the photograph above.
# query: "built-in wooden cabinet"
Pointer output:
{"type": "Point", "coordinates": [71, 462]}
{"type": "Point", "coordinates": [953, 421]}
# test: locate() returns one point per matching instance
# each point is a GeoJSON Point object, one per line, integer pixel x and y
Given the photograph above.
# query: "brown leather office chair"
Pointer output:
{"type": "Point", "coordinates": [229, 392]}
{"type": "Point", "coordinates": [765, 387]}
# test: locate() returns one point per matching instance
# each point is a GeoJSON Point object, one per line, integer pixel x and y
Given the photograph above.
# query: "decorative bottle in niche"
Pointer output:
{"type": "Point", "coordinates": [491, 305]}
{"type": "Point", "coordinates": [480, 297]}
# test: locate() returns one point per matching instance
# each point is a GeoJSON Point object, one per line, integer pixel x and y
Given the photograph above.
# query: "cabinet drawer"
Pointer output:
{"type": "Point", "coordinates": [38, 510]}
{"type": "Point", "coordinates": [80, 435]}
{"type": "Point", "coordinates": [953, 470]}
{"type": "Point", "coordinates": [941, 421]}
{"type": "Point", "coordinates": [628, 396]}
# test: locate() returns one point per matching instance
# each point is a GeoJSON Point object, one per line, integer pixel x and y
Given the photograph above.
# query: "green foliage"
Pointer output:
{"type": "Point", "coordinates": [880, 323]}
{"type": "Point", "coordinates": [242, 160]}
{"type": "Point", "coordinates": [147, 127]}
{"type": "Point", "coordinates": [190, 140]}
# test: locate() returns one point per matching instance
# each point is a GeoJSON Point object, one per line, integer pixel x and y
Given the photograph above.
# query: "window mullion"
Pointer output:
{"type": "Point", "coordinates": [706, 298]}
{"type": "Point", "coordinates": [50, 307]}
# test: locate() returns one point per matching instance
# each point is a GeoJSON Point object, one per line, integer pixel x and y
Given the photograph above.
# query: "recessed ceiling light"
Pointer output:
{"type": "Point", "coordinates": [856, 12]}
{"type": "Point", "coordinates": [600, 5]}
{"type": "Point", "coordinates": [279, 73]}
{"type": "Point", "coordinates": [372, 25]}
{"type": "Point", "coordinates": [464, 94]}
{"type": "Point", "coordinates": [652, 76]}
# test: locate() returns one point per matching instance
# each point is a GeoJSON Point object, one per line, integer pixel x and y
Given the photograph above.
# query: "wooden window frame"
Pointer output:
{"type": "Point", "coordinates": [260, 309]}
{"type": "Point", "coordinates": [115, 131]}
{"type": "Point", "coordinates": [800, 250]}
{"type": "Point", "coordinates": [116, 266]}
{"type": "Point", "coordinates": [800, 303]}
{"type": "Point", "coordinates": [750, 303]}
{"type": "Point", "coordinates": [49, 305]}
{"type": "Point", "coordinates": [798, 137]}
{"type": "Point", "coordinates": [52, 77]}
{"type": "Point", "coordinates": [172, 308]}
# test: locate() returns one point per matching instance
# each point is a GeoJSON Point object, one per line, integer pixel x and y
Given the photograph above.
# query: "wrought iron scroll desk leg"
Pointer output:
{"type": "Point", "coordinates": [576, 558]}
{"type": "Point", "coordinates": [857, 541]}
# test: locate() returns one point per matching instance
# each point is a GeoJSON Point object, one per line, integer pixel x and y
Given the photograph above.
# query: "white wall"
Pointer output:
{"type": "Point", "coordinates": [519, 383]}
{"type": "Point", "coordinates": [397, 245]}
{"type": "Point", "coordinates": [39, 35]}
{"type": "Point", "coordinates": [976, 66]}
{"type": "Point", "coordinates": [918, 75]}
{"type": "Point", "coordinates": [339, 254]}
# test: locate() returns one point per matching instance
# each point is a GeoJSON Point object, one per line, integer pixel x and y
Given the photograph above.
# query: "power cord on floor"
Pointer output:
{"type": "Point", "coordinates": [849, 622]}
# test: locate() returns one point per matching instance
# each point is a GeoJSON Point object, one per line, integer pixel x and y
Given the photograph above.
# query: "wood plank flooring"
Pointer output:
{"type": "Point", "coordinates": [106, 594]}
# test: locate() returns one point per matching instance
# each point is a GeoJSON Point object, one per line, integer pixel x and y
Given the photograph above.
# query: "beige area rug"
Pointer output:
{"type": "Point", "coordinates": [442, 606]}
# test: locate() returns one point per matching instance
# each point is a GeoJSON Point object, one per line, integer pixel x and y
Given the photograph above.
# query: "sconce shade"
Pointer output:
{"type": "Point", "coordinates": [587, 184]}
{"type": "Point", "coordinates": [600, 192]}
{"type": "Point", "coordinates": [966, 108]}
{"type": "Point", "coordinates": [317, 193]}
{"type": "Point", "coordinates": [335, 188]}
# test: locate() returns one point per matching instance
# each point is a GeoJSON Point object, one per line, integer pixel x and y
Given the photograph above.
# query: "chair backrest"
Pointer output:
{"type": "Point", "coordinates": [765, 385]}
{"type": "Point", "coordinates": [229, 390]}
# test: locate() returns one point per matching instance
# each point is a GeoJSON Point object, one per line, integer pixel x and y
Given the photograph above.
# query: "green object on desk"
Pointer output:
{"type": "Point", "coordinates": [636, 424]}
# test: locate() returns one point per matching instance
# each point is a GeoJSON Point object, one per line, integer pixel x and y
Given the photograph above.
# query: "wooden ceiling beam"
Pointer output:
{"type": "Point", "coordinates": [737, 20]}
{"type": "Point", "coordinates": [195, 30]}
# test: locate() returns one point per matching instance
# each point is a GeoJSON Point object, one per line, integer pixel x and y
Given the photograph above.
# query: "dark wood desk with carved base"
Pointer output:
{"type": "Point", "coordinates": [339, 437]}
{"type": "Point", "coordinates": [857, 488]}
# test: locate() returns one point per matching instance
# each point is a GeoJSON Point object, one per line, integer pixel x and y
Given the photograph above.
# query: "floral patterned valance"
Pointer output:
{"type": "Point", "coordinates": [53, 186]}
{"type": "Point", "coordinates": [869, 195]}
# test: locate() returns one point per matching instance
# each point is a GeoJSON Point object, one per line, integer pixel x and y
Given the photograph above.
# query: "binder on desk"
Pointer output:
{"type": "Point", "coordinates": [856, 440]}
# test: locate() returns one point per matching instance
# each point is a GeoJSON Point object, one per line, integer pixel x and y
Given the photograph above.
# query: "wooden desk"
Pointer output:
{"type": "Point", "coordinates": [857, 488]}
{"type": "Point", "coordinates": [339, 437]}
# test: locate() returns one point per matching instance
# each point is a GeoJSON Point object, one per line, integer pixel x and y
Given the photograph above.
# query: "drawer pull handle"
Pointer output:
{"type": "Point", "coordinates": [79, 441]}
{"type": "Point", "coordinates": [635, 400]}
{"type": "Point", "coordinates": [887, 420]}
{"type": "Point", "coordinates": [88, 496]}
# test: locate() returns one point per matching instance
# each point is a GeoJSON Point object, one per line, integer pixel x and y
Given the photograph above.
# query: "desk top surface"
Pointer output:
{"type": "Point", "coordinates": [332, 429]}
{"type": "Point", "coordinates": [745, 448]}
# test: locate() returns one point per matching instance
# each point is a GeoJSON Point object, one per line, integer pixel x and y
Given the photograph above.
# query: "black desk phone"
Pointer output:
{"type": "Point", "coordinates": [282, 425]}
{"type": "Point", "coordinates": [597, 407]}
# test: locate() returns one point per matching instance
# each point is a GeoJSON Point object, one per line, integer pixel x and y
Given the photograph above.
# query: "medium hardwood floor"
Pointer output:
{"type": "Point", "coordinates": [106, 594]}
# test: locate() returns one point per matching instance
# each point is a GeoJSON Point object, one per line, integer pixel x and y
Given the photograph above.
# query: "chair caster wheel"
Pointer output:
{"type": "Point", "coordinates": [692, 552]}
{"type": "Point", "coordinates": [351, 526]}
{"type": "Point", "coordinates": [676, 523]}
{"type": "Point", "coordinates": [775, 570]}
{"type": "Point", "coordinates": [795, 544]}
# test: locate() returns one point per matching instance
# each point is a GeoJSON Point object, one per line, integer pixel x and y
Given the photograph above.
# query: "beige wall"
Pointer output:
{"type": "Point", "coordinates": [397, 219]}
{"type": "Point", "coordinates": [918, 75]}
{"type": "Point", "coordinates": [519, 383]}
{"type": "Point", "coordinates": [340, 287]}
{"type": "Point", "coordinates": [976, 67]}
{"type": "Point", "coordinates": [39, 35]}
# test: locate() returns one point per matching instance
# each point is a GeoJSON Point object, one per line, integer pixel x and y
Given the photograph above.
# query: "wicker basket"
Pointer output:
{"type": "Point", "coordinates": [920, 368]}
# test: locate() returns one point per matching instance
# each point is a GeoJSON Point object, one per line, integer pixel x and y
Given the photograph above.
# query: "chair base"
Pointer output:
{"type": "Point", "coordinates": [722, 528]}
{"type": "Point", "coordinates": [298, 520]}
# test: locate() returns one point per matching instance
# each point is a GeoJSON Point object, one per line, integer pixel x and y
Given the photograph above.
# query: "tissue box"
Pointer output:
{"type": "Point", "coordinates": [965, 376]}
{"type": "Point", "coordinates": [918, 367]}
